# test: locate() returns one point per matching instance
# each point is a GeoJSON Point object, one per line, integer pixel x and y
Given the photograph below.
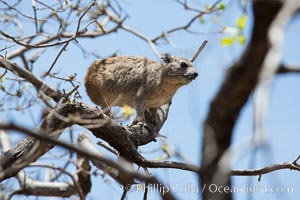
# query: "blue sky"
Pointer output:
{"type": "Point", "coordinates": [190, 104]}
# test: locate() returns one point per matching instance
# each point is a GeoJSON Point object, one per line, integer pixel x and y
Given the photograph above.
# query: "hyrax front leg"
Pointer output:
{"type": "Point", "coordinates": [140, 106]}
{"type": "Point", "coordinates": [140, 110]}
{"type": "Point", "coordinates": [152, 113]}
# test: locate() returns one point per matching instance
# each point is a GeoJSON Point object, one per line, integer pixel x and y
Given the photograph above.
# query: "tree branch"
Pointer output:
{"type": "Point", "coordinates": [17, 155]}
{"type": "Point", "coordinates": [264, 170]}
{"type": "Point", "coordinates": [238, 84]}
{"type": "Point", "coordinates": [34, 187]}
{"type": "Point", "coordinates": [38, 83]}
{"type": "Point", "coordinates": [189, 23]}
{"type": "Point", "coordinates": [283, 68]}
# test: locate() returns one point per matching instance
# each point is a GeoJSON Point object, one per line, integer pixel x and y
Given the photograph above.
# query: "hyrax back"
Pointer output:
{"type": "Point", "coordinates": [136, 81]}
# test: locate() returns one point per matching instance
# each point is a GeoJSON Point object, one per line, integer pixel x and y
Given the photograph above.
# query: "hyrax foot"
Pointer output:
{"type": "Point", "coordinates": [139, 118]}
{"type": "Point", "coordinates": [140, 123]}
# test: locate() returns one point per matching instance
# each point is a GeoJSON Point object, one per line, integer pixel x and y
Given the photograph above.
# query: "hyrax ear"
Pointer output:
{"type": "Point", "coordinates": [167, 58]}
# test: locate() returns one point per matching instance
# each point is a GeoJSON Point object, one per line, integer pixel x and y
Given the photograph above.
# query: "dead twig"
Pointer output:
{"type": "Point", "coordinates": [194, 57]}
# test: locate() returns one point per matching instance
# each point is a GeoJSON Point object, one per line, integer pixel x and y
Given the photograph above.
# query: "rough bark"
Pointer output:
{"type": "Point", "coordinates": [124, 139]}
{"type": "Point", "coordinates": [238, 84]}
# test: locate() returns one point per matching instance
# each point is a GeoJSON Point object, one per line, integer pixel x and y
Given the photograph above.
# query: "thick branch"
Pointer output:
{"type": "Point", "coordinates": [35, 187]}
{"type": "Point", "coordinates": [44, 188]}
{"type": "Point", "coordinates": [8, 171]}
{"type": "Point", "coordinates": [124, 139]}
{"type": "Point", "coordinates": [94, 155]}
{"type": "Point", "coordinates": [84, 174]}
{"type": "Point", "coordinates": [84, 142]}
{"type": "Point", "coordinates": [271, 62]}
{"type": "Point", "coordinates": [233, 94]}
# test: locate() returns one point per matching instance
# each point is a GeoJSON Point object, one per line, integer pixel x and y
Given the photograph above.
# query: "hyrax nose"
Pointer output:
{"type": "Point", "coordinates": [194, 75]}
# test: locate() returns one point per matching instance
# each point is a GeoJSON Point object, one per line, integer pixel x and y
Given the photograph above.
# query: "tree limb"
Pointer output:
{"type": "Point", "coordinates": [233, 94]}
{"type": "Point", "coordinates": [283, 68]}
{"type": "Point", "coordinates": [35, 187]}
{"type": "Point", "coordinates": [38, 83]}
{"type": "Point", "coordinates": [264, 170]}
{"type": "Point", "coordinates": [15, 156]}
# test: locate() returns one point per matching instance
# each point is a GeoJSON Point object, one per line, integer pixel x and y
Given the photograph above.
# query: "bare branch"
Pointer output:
{"type": "Point", "coordinates": [84, 174]}
{"type": "Point", "coordinates": [148, 40]}
{"type": "Point", "coordinates": [73, 37]}
{"type": "Point", "coordinates": [19, 42]}
{"type": "Point", "coordinates": [107, 147]}
{"type": "Point", "coordinates": [29, 186]}
{"type": "Point", "coordinates": [8, 172]}
{"type": "Point", "coordinates": [238, 84]}
{"type": "Point", "coordinates": [34, 187]}
{"type": "Point", "coordinates": [4, 141]}
{"type": "Point", "coordinates": [39, 84]}
{"type": "Point", "coordinates": [189, 23]}
{"type": "Point", "coordinates": [187, 7]}
{"type": "Point", "coordinates": [55, 60]}
{"type": "Point", "coordinates": [271, 62]}
{"type": "Point", "coordinates": [271, 168]}
{"type": "Point", "coordinates": [69, 36]}
{"type": "Point", "coordinates": [283, 68]}
{"type": "Point", "coordinates": [35, 16]}
{"type": "Point", "coordinates": [117, 136]}
{"type": "Point", "coordinates": [83, 14]}
{"type": "Point", "coordinates": [13, 8]}
{"type": "Point", "coordinates": [194, 57]}
{"type": "Point", "coordinates": [84, 142]}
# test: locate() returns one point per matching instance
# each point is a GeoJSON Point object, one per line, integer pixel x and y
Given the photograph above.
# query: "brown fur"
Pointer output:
{"type": "Point", "coordinates": [136, 81]}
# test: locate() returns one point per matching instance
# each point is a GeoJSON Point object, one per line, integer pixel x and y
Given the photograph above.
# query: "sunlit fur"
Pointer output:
{"type": "Point", "coordinates": [136, 81]}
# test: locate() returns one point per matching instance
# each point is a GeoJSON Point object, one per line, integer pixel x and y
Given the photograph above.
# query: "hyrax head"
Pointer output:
{"type": "Point", "coordinates": [178, 70]}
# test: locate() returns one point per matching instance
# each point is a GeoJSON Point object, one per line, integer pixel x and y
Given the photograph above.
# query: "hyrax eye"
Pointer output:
{"type": "Point", "coordinates": [183, 65]}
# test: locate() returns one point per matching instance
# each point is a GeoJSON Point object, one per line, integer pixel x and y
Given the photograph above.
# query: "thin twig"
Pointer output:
{"type": "Point", "coordinates": [13, 8]}
{"type": "Point", "coordinates": [83, 14]}
{"type": "Point", "coordinates": [141, 36]}
{"type": "Point", "coordinates": [284, 68]}
{"type": "Point", "coordinates": [199, 50]}
{"type": "Point", "coordinates": [55, 60]}
{"type": "Point", "coordinates": [74, 180]}
{"type": "Point", "coordinates": [146, 185]}
{"type": "Point", "coordinates": [39, 84]}
{"type": "Point", "coordinates": [67, 95]}
{"type": "Point", "coordinates": [35, 16]}
{"type": "Point", "coordinates": [189, 23]}
{"type": "Point", "coordinates": [73, 37]}
{"type": "Point", "coordinates": [125, 190]}
{"type": "Point", "coordinates": [268, 169]}
{"type": "Point", "coordinates": [107, 147]}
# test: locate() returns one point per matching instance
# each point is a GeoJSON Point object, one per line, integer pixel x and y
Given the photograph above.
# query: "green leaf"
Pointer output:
{"type": "Point", "coordinates": [2, 79]}
{"type": "Point", "coordinates": [241, 22]}
{"type": "Point", "coordinates": [201, 20]}
{"type": "Point", "coordinates": [228, 41]}
{"type": "Point", "coordinates": [221, 6]}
